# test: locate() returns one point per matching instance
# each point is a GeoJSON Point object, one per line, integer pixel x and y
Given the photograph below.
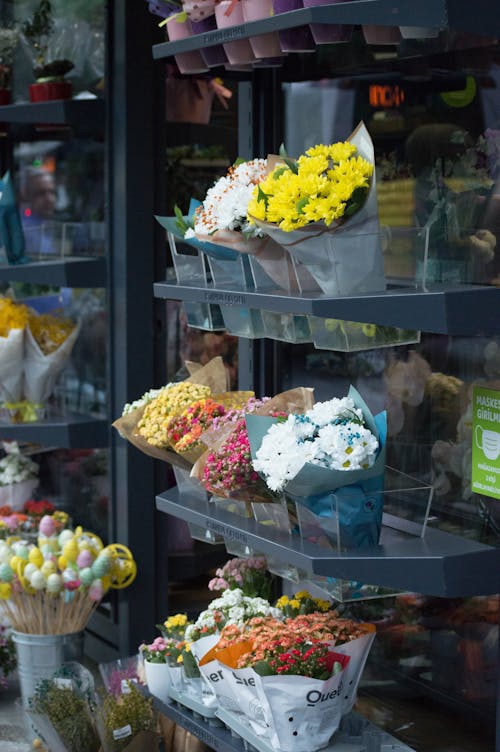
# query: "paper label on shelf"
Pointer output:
{"type": "Point", "coordinates": [122, 732]}
{"type": "Point", "coordinates": [486, 441]}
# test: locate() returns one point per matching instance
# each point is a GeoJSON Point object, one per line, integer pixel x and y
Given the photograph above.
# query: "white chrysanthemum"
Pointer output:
{"type": "Point", "coordinates": [225, 205]}
{"type": "Point", "coordinates": [323, 413]}
{"type": "Point", "coordinates": [346, 447]}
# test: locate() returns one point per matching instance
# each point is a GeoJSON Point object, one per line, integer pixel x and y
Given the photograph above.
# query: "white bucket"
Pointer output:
{"type": "Point", "coordinates": [158, 679]}
{"type": "Point", "coordinates": [39, 657]}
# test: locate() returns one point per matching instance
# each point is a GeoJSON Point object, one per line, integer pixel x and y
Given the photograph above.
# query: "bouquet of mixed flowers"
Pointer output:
{"type": "Point", "coordinates": [323, 209]}
{"type": "Point", "coordinates": [144, 423]}
{"type": "Point", "coordinates": [309, 665]}
{"type": "Point", "coordinates": [329, 459]}
{"type": "Point", "coordinates": [225, 469]}
{"type": "Point", "coordinates": [248, 575]}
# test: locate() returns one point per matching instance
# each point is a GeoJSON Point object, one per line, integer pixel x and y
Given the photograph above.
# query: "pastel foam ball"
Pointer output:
{"type": "Point", "coordinates": [64, 537]}
{"type": "Point", "coordinates": [101, 566]}
{"type": "Point", "coordinates": [37, 580]}
{"type": "Point", "coordinates": [14, 562]}
{"type": "Point", "coordinates": [61, 563]}
{"type": "Point", "coordinates": [29, 570]}
{"type": "Point", "coordinates": [69, 575]}
{"type": "Point", "coordinates": [70, 550]}
{"type": "Point", "coordinates": [35, 557]}
{"type": "Point", "coordinates": [22, 551]}
{"type": "Point", "coordinates": [47, 526]}
{"type": "Point", "coordinates": [96, 590]}
{"type": "Point", "coordinates": [47, 551]}
{"type": "Point", "coordinates": [54, 583]}
{"type": "Point", "coordinates": [47, 568]}
{"type": "Point", "coordinates": [5, 552]}
{"type": "Point", "coordinates": [6, 573]}
{"type": "Point", "coordinates": [86, 576]}
{"type": "Point", "coordinates": [84, 559]}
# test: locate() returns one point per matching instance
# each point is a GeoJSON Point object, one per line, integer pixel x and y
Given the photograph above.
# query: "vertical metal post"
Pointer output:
{"type": "Point", "coordinates": [132, 117]}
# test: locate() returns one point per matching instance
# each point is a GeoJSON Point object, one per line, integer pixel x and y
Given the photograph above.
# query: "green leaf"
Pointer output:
{"type": "Point", "coordinates": [262, 668]}
{"type": "Point", "coordinates": [238, 161]}
{"type": "Point", "coordinates": [301, 204]}
{"type": "Point", "coordinates": [292, 165]}
{"type": "Point", "coordinates": [181, 223]}
{"type": "Point", "coordinates": [278, 172]}
{"type": "Point", "coordinates": [261, 196]}
{"type": "Point", "coordinates": [282, 151]}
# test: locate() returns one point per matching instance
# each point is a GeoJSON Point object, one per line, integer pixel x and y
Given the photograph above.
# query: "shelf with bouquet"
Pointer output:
{"type": "Point", "coordinates": [375, 13]}
{"type": "Point", "coordinates": [49, 591]}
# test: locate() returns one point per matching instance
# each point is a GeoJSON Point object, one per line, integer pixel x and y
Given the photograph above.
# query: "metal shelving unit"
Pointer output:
{"type": "Point", "coordinates": [431, 13]}
{"type": "Point", "coordinates": [80, 114]}
{"type": "Point", "coordinates": [440, 564]}
{"type": "Point", "coordinates": [62, 272]}
{"type": "Point", "coordinates": [77, 431]}
{"type": "Point", "coordinates": [439, 310]}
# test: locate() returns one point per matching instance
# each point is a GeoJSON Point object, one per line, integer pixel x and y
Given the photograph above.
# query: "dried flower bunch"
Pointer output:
{"type": "Point", "coordinates": [132, 711]}
{"type": "Point", "coordinates": [68, 713]}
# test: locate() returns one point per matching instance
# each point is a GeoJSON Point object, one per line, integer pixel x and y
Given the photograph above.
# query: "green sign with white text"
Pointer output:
{"type": "Point", "coordinates": [486, 441]}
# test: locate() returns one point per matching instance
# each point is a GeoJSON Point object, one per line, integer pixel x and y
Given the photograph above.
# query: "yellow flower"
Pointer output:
{"type": "Point", "coordinates": [171, 401]}
{"type": "Point", "coordinates": [322, 605]}
{"type": "Point", "coordinates": [294, 603]}
{"type": "Point", "coordinates": [180, 659]}
{"type": "Point", "coordinates": [302, 594]}
{"type": "Point", "coordinates": [282, 602]}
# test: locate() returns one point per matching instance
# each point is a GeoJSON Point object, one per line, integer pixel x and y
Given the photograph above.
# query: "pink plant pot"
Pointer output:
{"type": "Point", "coordinates": [228, 14]}
{"type": "Point", "coordinates": [298, 39]}
{"type": "Point", "coordinates": [328, 33]}
{"type": "Point", "coordinates": [267, 45]}
{"type": "Point", "coordinates": [381, 34]}
{"type": "Point", "coordinates": [187, 62]}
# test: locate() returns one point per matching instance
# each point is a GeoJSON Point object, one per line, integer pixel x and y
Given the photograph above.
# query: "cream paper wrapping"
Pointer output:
{"type": "Point", "coordinates": [343, 258]}
{"type": "Point", "coordinates": [42, 371]}
{"type": "Point", "coordinates": [11, 365]}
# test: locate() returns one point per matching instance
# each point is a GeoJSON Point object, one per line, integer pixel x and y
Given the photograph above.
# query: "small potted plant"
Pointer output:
{"type": "Point", "coordinates": [50, 82]}
{"type": "Point", "coordinates": [8, 43]}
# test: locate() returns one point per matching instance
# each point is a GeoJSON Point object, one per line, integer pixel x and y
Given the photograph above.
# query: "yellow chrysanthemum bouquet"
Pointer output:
{"type": "Point", "coordinates": [323, 209]}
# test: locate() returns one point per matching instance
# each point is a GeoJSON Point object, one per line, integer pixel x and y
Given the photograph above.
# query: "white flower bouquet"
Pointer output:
{"type": "Point", "coordinates": [322, 208]}
{"type": "Point", "coordinates": [18, 479]}
{"type": "Point", "coordinates": [331, 460]}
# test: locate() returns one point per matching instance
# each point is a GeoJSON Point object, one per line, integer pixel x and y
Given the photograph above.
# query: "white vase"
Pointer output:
{"type": "Point", "coordinates": [158, 679]}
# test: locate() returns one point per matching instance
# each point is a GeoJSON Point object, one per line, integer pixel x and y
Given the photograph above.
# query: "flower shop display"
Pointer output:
{"type": "Point", "coordinates": [329, 33]}
{"type": "Point", "coordinates": [323, 209]}
{"type": "Point", "coordinates": [225, 469]}
{"type": "Point", "coordinates": [298, 39]}
{"type": "Point", "coordinates": [145, 426]}
{"type": "Point", "coordinates": [248, 575]}
{"type": "Point", "coordinates": [60, 710]}
{"type": "Point", "coordinates": [18, 478]}
{"type": "Point", "coordinates": [49, 72]}
{"type": "Point", "coordinates": [329, 460]}
{"type": "Point", "coordinates": [116, 674]}
{"type": "Point", "coordinates": [9, 38]}
{"type": "Point", "coordinates": [36, 347]}
{"type": "Point", "coordinates": [265, 45]}
{"type": "Point", "coordinates": [276, 673]}
{"type": "Point", "coordinates": [230, 13]}
{"type": "Point", "coordinates": [126, 723]}
{"type": "Point", "coordinates": [164, 657]}
{"type": "Point", "coordinates": [178, 26]}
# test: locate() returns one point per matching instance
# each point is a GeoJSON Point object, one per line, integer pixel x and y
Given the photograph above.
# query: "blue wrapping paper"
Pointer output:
{"type": "Point", "coordinates": [211, 249]}
{"type": "Point", "coordinates": [355, 495]}
{"type": "Point", "coordinates": [11, 231]}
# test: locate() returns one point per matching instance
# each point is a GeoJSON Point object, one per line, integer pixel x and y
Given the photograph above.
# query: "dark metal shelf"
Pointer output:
{"type": "Point", "coordinates": [439, 14]}
{"type": "Point", "coordinates": [440, 564]}
{"type": "Point", "coordinates": [65, 272]}
{"type": "Point", "coordinates": [73, 432]}
{"type": "Point", "coordinates": [466, 311]}
{"type": "Point", "coordinates": [87, 116]}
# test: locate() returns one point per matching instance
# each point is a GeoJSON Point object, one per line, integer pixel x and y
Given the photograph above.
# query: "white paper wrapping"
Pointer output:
{"type": "Point", "coordinates": [357, 650]}
{"type": "Point", "coordinates": [11, 365]}
{"type": "Point", "coordinates": [199, 649]}
{"type": "Point", "coordinates": [41, 371]}
{"type": "Point", "coordinates": [347, 258]}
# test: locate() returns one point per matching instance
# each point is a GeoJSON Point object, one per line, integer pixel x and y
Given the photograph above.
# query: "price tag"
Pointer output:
{"type": "Point", "coordinates": [122, 732]}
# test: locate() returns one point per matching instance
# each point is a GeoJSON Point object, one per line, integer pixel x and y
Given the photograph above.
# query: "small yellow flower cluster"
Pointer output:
{"type": "Point", "coordinates": [12, 316]}
{"type": "Point", "coordinates": [171, 401]}
{"type": "Point", "coordinates": [176, 621]}
{"type": "Point", "coordinates": [327, 184]}
{"type": "Point", "coordinates": [302, 602]}
{"type": "Point", "coordinates": [50, 331]}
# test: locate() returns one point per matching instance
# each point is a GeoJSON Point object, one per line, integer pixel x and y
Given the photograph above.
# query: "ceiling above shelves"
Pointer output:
{"type": "Point", "coordinates": [440, 564]}
{"type": "Point", "coordinates": [440, 14]}
{"type": "Point", "coordinates": [467, 310]}
{"type": "Point", "coordinates": [65, 272]}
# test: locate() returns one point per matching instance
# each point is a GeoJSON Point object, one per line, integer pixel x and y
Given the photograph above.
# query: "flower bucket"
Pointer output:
{"type": "Point", "coordinates": [298, 39]}
{"type": "Point", "coordinates": [16, 494]}
{"type": "Point", "coordinates": [158, 679]}
{"type": "Point", "coordinates": [40, 656]}
{"type": "Point", "coordinates": [352, 336]}
{"type": "Point", "coordinates": [266, 45]}
{"type": "Point", "coordinates": [227, 14]}
{"type": "Point", "coordinates": [187, 62]}
{"type": "Point", "coordinates": [49, 90]}
{"type": "Point", "coordinates": [328, 33]}
{"type": "Point", "coordinates": [215, 55]}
